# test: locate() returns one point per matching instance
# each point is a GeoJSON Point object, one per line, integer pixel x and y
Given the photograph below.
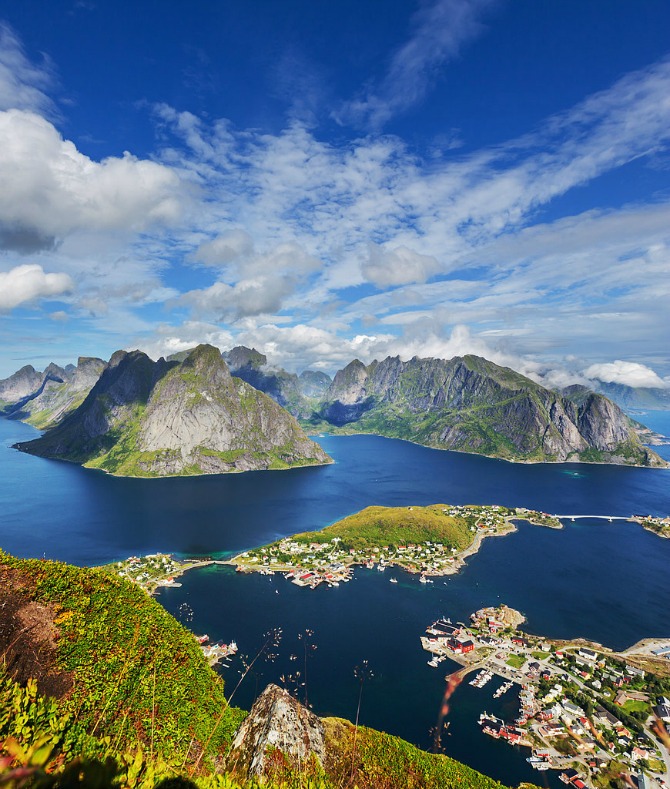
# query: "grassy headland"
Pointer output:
{"type": "Point", "coordinates": [431, 540]}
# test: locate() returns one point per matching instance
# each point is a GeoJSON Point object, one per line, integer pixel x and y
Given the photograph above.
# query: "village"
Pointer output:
{"type": "Point", "coordinates": [584, 710]}
{"type": "Point", "coordinates": [155, 570]}
{"type": "Point", "coordinates": [310, 563]}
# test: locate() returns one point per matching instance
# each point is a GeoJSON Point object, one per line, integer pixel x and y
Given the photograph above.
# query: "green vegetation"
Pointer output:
{"type": "Point", "coordinates": [142, 706]}
{"type": "Point", "coordinates": [137, 676]}
{"type": "Point", "coordinates": [635, 705]}
{"type": "Point", "coordinates": [394, 526]}
{"type": "Point", "coordinates": [372, 759]}
{"type": "Point", "coordinates": [516, 661]}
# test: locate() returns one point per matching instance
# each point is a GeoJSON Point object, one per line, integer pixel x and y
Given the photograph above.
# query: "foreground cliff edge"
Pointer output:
{"type": "Point", "coordinates": [165, 418]}
{"type": "Point", "coordinates": [99, 685]}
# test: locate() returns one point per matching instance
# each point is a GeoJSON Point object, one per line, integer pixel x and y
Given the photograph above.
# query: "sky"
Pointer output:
{"type": "Point", "coordinates": [337, 179]}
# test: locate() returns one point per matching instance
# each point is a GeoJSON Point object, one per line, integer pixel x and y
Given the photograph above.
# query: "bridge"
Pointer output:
{"type": "Point", "coordinates": [609, 518]}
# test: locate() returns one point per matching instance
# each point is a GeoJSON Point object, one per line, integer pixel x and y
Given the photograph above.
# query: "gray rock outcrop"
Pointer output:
{"type": "Point", "coordinates": [276, 722]}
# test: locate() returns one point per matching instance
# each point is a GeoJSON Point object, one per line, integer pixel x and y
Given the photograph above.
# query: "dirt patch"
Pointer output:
{"type": "Point", "coordinates": [28, 636]}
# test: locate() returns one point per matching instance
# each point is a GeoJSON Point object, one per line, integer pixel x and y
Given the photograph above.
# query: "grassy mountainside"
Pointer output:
{"type": "Point", "coordinates": [120, 667]}
{"type": "Point", "coordinates": [473, 405]}
{"type": "Point", "coordinates": [380, 760]}
{"type": "Point", "coordinates": [379, 526]}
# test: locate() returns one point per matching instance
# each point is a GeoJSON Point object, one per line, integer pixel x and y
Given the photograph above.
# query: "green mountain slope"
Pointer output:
{"type": "Point", "coordinates": [473, 405]}
{"type": "Point", "coordinates": [146, 418]}
{"type": "Point", "coordinates": [123, 673]}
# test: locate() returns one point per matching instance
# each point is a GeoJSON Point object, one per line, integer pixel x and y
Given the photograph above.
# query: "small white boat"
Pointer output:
{"type": "Point", "coordinates": [394, 580]}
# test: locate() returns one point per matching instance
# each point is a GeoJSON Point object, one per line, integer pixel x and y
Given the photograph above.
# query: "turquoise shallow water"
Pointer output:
{"type": "Point", "coordinates": [608, 582]}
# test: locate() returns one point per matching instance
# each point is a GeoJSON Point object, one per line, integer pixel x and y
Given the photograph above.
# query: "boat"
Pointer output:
{"type": "Point", "coordinates": [394, 580]}
{"type": "Point", "coordinates": [503, 689]}
{"type": "Point", "coordinates": [433, 662]}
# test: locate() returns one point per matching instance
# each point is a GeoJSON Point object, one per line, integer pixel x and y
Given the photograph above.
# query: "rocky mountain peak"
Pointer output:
{"type": "Point", "coordinates": [241, 356]}
{"type": "Point", "coordinates": [146, 418]}
{"type": "Point", "coordinates": [277, 721]}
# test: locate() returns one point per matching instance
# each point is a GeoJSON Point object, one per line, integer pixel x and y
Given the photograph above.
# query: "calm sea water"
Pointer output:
{"type": "Point", "coordinates": [608, 582]}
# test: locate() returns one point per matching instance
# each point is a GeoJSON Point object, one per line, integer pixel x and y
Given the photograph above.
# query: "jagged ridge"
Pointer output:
{"type": "Point", "coordinates": [300, 395]}
{"type": "Point", "coordinates": [470, 404]}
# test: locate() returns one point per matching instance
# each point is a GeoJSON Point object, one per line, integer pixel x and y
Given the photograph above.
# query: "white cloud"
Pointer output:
{"type": "Point", "coordinates": [167, 340]}
{"type": "Point", "coordinates": [399, 266]}
{"type": "Point", "coordinates": [50, 189]}
{"type": "Point", "coordinates": [259, 285]}
{"type": "Point", "coordinates": [224, 249]}
{"type": "Point", "coordinates": [257, 296]}
{"type": "Point", "coordinates": [22, 84]}
{"type": "Point", "coordinates": [30, 282]}
{"type": "Point", "coordinates": [441, 29]}
{"type": "Point", "coordinates": [628, 373]}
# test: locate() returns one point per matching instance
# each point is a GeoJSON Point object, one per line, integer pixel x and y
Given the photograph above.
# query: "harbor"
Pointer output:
{"type": "Point", "coordinates": [582, 708]}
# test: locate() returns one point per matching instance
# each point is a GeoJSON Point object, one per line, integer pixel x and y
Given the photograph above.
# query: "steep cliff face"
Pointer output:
{"type": "Point", "coordinates": [19, 385]}
{"type": "Point", "coordinates": [473, 405]}
{"type": "Point", "coordinates": [168, 418]}
{"type": "Point", "coordinates": [61, 391]}
{"type": "Point", "coordinates": [44, 399]}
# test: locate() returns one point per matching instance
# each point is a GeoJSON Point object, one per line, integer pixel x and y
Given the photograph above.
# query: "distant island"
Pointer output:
{"type": "Point", "coordinates": [176, 418]}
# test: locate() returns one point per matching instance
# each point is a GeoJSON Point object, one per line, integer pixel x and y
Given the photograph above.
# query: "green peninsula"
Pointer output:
{"type": "Point", "coordinates": [432, 540]}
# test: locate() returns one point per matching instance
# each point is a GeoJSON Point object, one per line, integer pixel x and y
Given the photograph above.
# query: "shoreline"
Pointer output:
{"type": "Point", "coordinates": [173, 568]}
{"type": "Point", "coordinates": [665, 465]}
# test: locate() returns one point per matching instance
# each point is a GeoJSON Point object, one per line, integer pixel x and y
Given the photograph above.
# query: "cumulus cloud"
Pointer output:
{"type": "Point", "coordinates": [30, 282]}
{"type": "Point", "coordinates": [167, 340]}
{"type": "Point", "coordinates": [627, 373]}
{"type": "Point", "coordinates": [50, 189]}
{"type": "Point", "coordinates": [440, 30]}
{"type": "Point", "coordinates": [257, 296]}
{"type": "Point", "coordinates": [399, 266]}
{"type": "Point", "coordinates": [224, 249]}
{"type": "Point", "coordinates": [259, 285]}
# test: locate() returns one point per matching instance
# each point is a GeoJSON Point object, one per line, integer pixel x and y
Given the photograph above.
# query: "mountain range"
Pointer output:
{"type": "Point", "coordinates": [136, 416]}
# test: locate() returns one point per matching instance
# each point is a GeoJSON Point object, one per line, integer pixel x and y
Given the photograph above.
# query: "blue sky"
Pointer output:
{"type": "Point", "coordinates": [326, 180]}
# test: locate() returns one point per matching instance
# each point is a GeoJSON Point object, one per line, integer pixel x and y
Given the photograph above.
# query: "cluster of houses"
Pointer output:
{"type": "Point", "coordinates": [569, 698]}
{"type": "Point", "coordinates": [155, 569]}
{"type": "Point", "coordinates": [328, 561]}
{"type": "Point", "coordinates": [652, 523]}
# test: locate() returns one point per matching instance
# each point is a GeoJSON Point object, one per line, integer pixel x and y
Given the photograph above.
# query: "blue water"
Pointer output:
{"type": "Point", "coordinates": [605, 581]}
